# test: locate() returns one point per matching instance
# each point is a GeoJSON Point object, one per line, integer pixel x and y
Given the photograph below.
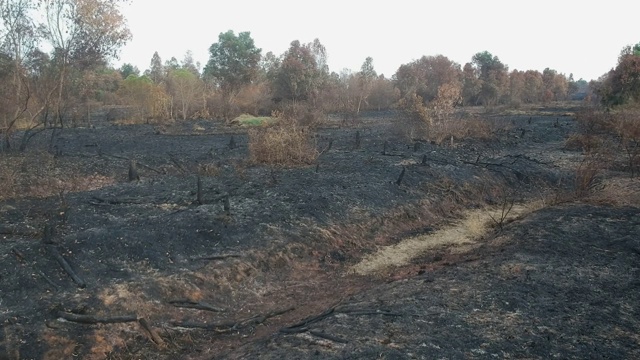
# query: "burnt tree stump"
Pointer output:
{"type": "Point", "coordinates": [133, 171]}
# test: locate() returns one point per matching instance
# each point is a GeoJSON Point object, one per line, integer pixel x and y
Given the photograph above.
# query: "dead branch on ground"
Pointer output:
{"type": "Point", "coordinates": [92, 319]}
{"type": "Point", "coordinates": [195, 305]}
{"type": "Point", "coordinates": [65, 265]}
{"type": "Point", "coordinates": [228, 326]}
{"type": "Point", "coordinates": [152, 333]}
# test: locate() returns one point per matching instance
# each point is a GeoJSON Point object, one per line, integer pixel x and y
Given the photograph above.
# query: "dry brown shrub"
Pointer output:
{"type": "Point", "coordinates": [282, 145]}
{"type": "Point", "coordinates": [436, 122]}
{"type": "Point", "coordinates": [254, 99]}
{"type": "Point", "coordinates": [585, 142]}
{"type": "Point", "coordinates": [300, 114]}
{"type": "Point", "coordinates": [627, 129]}
{"type": "Point", "coordinates": [591, 121]}
{"type": "Point", "coordinates": [458, 129]}
{"type": "Point", "coordinates": [417, 118]}
{"type": "Point", "coordinates": [586, 175]}
{"type": "Point", "coordinates": [618, 192]}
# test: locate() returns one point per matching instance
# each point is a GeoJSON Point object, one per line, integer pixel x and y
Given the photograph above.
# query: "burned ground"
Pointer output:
{"type": "Point", "coordinates": [562, 283]}
{"type": "Point", "coordinates": [267, 247]}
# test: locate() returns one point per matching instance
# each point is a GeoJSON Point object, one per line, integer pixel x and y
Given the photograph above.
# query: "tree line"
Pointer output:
{"type": "Point", "coordinates": [55, 70]}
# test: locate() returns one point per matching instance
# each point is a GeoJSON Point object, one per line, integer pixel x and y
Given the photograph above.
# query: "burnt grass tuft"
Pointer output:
{"type": "Point", "coordinates": [254, 249]}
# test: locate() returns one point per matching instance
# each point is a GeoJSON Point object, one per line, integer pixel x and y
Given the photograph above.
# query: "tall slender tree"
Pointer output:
{"type": "Point", "coordinates": [156, 71]}
{"type": "Point", "coordinates": [82, 33]}
{"type": "Point", "coordinates": [234, 62]}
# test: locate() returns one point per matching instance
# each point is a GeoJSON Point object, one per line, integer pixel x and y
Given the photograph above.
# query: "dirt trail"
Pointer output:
{"type": "Point", "coordinates": [475, 224]}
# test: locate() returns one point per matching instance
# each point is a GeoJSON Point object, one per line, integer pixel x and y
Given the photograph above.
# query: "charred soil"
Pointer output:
{"type": "Point", "coordinates": [205, 254]}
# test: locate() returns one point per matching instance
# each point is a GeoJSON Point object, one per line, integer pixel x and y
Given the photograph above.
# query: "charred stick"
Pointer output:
{"type": "Point", "coordinates": [18, 254]}
{"type": "Point", "coordinates": [102, 201]}
{"type": "Point", "coordinates": [328, 336]}
{"type": "Point", "coordinates": [178, 165]}
{"type": "Point", "coordinates": [195, 305]}
{"type": "Point", "coordinates": [152, 333]}
{"type": "Point", "coordinates": [91, 319]}
{"type": "Point", "coordinates": [133, 171]}
{"type": "Point", "coordinates": [65, 265]}
{"type": "Point", "coordinates": [399, 181]}
{"type": "Point", "coordinates": [227, 326]}
{"type": "Point", "coordinates": [199, 192]}
{"type": "Point", "coordinates": [224, 327]}
{"type": "Point", "coordinates": [262, 318]}
{"type": "Point", "coordinates": [49, 281]}
{"type": "Point", "coordinates": [227, 205]}
{"type": "Point", "coordinates": [303, 325]}
{"type": "Point", "coordinates": [218, 257]}
{"type": "Point", "coordinates": [370, 312]}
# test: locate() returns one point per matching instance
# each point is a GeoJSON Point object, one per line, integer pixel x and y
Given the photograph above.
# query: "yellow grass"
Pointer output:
{"type": "Point", "coordinates": [282, 146]}
{"type": "Point", "coordinates": [467, 231]}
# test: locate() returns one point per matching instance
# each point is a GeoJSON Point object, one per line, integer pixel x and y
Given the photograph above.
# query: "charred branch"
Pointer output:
{"type": "Point", "coordinates": [92, 319]}
{"type": "Point", "coordinates": [65, 265]}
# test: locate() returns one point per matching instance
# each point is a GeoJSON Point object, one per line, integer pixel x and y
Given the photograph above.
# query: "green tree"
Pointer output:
{"type": "Point", "coordinates": [234, 62]}
{"type": "Point", "coordinates": [149, 98]}
{"type": "Point", "coordinates": [493, 76]}
{"type": "Point", "coordinates": [470, 85]}
{"type": "Point", "coordinates": [156, 71]}
{"type": "Point", "coordinates": [127, 69]}
{"type": "Point", "coordinates": [302, 73]}
{"type": "Point", "coordinates": [622, 84]}
{"type": "Point", "coordinates": [185, 88]}
{"type": "Point", "coordinates": [189, 64]}
{"type": "Point", "coordinates": [170, 65]}
{"type": "Point", "coordinates": [366, 78]}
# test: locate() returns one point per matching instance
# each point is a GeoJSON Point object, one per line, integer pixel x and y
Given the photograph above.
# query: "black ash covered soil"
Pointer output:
{"type": "Point", "coordinates": [288, 237]}
{"type": "Point", "coordinates": [562, 283]}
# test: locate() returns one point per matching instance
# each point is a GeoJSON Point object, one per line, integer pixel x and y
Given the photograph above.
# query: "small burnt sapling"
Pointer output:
{"type": "Point", "coordinates": [133, 171]}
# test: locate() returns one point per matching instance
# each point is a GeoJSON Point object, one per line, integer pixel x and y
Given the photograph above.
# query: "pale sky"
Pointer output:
{"type": "Point", "coordinates": [579, 37]}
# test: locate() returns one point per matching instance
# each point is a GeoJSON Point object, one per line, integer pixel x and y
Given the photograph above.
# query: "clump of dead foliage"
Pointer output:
{"type": "Point", "coordinates": [438, 123]}
{"type": "Point", "coordinates": [289, 142]}
{"type": "Point", "coordinates": [612, 136]}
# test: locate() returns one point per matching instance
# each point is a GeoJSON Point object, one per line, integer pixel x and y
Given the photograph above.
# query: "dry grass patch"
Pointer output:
{"type": "Point", "coordinates": [583, 142]}
{"type": "Point", "coordinates": [618, 192]}
{"type": "Point", "coordinates": [474, 225]}
{"type": "Point", "coordinates": [282, 146]}
{"type": "Point", "coordinates": [459, 129]}
{"type": "Point", "coordinates": [40, 175]}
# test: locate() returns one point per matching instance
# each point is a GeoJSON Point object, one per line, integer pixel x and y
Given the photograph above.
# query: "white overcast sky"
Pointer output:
{"type": "Point", "coordinates": [579, 37]}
